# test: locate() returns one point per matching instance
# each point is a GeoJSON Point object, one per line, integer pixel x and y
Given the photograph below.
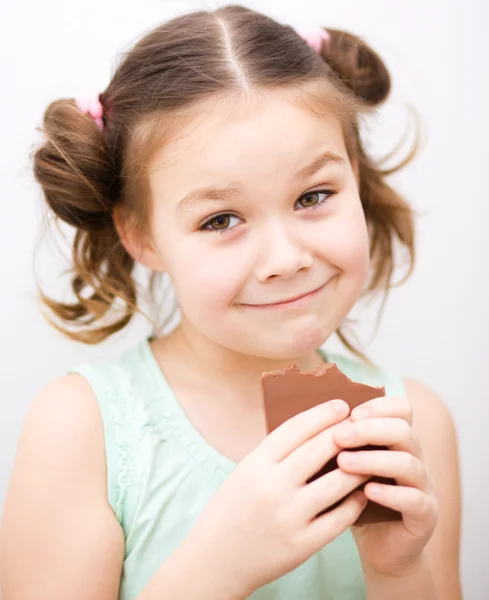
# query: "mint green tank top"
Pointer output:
{"type": "Point", "coordinates": [162, 473]}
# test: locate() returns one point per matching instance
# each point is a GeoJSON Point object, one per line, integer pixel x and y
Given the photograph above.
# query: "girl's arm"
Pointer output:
{"type": "Point", "coordinates": [437, 575]}
{"type": "Point", "coordinates": [417, 557]}
{"type": "Point", "coordinates": [418, 584]}
{"type": "Point", "coordinates": [59, 537]}
{"type": "Point", "coordinates": [436, 432]}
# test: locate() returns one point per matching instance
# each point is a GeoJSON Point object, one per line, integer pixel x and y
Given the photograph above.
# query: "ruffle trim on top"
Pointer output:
{"type": "Point", "coordinates": [171, 421]}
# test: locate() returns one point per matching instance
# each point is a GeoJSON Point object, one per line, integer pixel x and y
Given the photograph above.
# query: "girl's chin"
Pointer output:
{"type": "Point", "coordinates": [288, 345]}
{"type": "Point", "coordinates": [284, 341]}
{"type": "Point", "coordinates": [308, 339]}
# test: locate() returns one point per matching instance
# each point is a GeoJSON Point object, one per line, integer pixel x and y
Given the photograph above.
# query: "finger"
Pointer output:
{"type": "Point", "coordinates": [394, 433]}
{"type": "Point", "coordinates": [419, 510]}
{"type": "Point", "coordinates": [387, 406]}
{"type": "Point", "coordinates": [295, 431]}
{"type": "Point", "coordinates": [327, 491]}
{"type": "Point", "coordinates": [405, 468]}
{"type": "Point", "coordinates": [312, 456]}
{"type": "Point", "coordinates": [327, 527]}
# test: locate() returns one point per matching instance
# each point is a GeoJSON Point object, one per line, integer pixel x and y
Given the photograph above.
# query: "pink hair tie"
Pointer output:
{"type": "Point", "coordinates": [314, 37]}
{"type": "Point", "coordinates": [93, 107]}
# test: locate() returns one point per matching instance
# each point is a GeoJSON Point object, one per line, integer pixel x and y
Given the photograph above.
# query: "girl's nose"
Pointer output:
{"type": "Point", "coordinates": [282, 255]}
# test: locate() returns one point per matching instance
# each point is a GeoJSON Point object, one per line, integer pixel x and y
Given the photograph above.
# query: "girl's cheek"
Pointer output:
{"type": "Point", "coordinates": [210, 276]}
{"type": "Point", "coordinates": [347, 244]}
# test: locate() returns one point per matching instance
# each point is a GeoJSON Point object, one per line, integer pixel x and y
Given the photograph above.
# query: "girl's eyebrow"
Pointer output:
{"type": "Point", "coordinates": [323, 160]}
{"type": "Point", "coordinates": [206, 193]}
{"type": "Point", "coordinates": [212, 193]}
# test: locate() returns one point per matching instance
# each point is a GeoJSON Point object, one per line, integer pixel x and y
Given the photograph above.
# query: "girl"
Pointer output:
{"type": "Point", "coordinates": [226, 153]}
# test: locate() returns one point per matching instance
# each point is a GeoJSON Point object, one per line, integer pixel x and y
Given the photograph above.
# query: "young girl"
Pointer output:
{"type": "Point", "coordinates": [226, 153]}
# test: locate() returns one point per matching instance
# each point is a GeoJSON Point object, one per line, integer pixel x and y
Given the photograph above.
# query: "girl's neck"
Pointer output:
{"type": "Point", "coordinates": [213, 364]}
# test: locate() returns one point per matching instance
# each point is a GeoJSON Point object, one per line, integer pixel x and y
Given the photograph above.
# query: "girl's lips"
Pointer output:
{"type": "Point", "coordinates": [289, 302]}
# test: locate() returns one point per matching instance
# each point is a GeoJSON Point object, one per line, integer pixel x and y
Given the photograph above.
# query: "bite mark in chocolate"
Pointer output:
{"type": "Point", "coordinates": [288, 392]}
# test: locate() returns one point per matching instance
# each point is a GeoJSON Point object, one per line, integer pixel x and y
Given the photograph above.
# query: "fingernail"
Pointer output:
{"type": "Point", "coordinates": [373, 490]}
{"type": "Point", "coordinates": [348, 458]}
{"type": "Point", "coordinates": [360, 413]}
{"type": "Point", "coordinates": [340, 406]}
{"type": "Point", "coordinates": [347, 432]}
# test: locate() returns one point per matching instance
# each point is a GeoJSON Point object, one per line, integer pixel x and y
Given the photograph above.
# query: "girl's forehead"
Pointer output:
{"type": "Point", "coordinates": [229, 134]}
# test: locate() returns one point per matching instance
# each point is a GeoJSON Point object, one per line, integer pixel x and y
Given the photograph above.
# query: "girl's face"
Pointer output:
{"type": "Point", "coordinates": [257, 219]}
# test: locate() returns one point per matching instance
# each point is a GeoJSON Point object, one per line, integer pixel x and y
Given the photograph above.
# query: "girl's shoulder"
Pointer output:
{"type": "Point", "coordinates": [131, 401]}
{"type": "Point", "coordinates": [113, 376]}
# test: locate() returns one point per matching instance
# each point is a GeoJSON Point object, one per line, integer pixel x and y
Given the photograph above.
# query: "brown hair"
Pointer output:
{"type": "Point", "coordinates": [85, 173]}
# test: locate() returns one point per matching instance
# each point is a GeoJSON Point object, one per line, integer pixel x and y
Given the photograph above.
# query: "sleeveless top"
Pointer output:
{"type": "Point", "coordinates": [162, 473]}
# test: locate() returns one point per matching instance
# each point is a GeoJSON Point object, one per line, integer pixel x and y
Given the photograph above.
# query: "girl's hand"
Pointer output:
{"type": "Point", "coordinates": [392, 548]}
{"type": "Point", "coordinates": [261, 522]}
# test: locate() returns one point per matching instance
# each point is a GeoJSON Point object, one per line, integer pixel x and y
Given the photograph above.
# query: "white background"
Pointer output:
{"type": "Point", "coordinates": [435, 327]}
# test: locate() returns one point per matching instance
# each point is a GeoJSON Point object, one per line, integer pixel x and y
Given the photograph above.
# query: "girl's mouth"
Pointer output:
{"type": "Point", "coordinates": [292, 301]}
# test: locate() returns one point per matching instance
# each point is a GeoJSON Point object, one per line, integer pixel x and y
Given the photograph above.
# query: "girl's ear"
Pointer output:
{"type": "Point", "coordinates": [136, 242]}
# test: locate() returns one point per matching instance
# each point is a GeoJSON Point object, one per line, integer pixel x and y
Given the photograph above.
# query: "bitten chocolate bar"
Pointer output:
{"type": "Point", "coordinates": [288, 392]}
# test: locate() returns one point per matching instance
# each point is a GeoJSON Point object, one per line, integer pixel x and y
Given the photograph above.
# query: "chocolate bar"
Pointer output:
{"type": "Point", "coordinates": [288, 392]}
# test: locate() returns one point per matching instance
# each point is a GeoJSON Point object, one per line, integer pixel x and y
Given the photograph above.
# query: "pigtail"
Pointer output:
{"type": "Point", "coordinates": [357, 66]}
{"type": "Point", "coordinates": [81, 186]}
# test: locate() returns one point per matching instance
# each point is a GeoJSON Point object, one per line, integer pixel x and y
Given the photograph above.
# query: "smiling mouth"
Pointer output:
{"type": "Point", "coordinates": [289, 301]}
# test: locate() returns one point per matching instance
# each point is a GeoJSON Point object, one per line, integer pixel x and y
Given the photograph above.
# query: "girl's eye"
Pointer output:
{"type": "Point", "coordinates": [220, 223]}
{"type": "Point", "coordinates": [226, 221]}
{"type": "Point", "coordinates": [313, 199]}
